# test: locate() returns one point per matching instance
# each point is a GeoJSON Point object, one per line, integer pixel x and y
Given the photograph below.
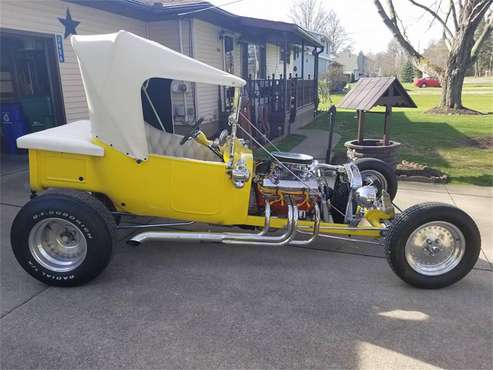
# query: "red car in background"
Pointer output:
{"type": "Point", "coordinates": [427, 82]}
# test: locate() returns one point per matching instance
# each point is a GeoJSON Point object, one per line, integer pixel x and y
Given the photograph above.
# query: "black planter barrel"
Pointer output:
{"type": "Point", "coordinates": [374, 148]}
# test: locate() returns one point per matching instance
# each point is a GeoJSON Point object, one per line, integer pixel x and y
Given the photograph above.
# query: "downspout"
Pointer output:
{"type": "Point", "coordinates": [302, 59]}
{"type": "Point", "coordinates": [180, 37]}
{"type": "Point", "coordinates": [316, 53]}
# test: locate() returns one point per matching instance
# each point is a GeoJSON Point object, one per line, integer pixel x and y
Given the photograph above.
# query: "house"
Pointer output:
{"type": "Point", "coordinates": [354, 66]}
{"type": "Point", "coordinates": [323, 56]}
{"type": "Point", "coordinates": [39, 70]}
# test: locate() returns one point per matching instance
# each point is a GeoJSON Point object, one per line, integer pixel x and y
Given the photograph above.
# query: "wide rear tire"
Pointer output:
{"type": "Point", "coordinates": [432, 245]}
{"type": "Point", "coordinates": [378, 173]}
{"type": "Point", "coordinates": [63, 237]}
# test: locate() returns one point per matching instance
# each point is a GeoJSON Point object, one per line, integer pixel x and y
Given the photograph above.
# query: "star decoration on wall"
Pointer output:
{"type": "Point", "coordinates": [69, 25]}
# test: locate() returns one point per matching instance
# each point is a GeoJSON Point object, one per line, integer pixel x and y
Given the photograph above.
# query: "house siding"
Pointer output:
{"type": "Point", "coordinates": [167, 33]}
{"type": "Point", "coordinates": [274, 64]}
{"type": "Point", "coordinates": [208, 49]}
{"type": "Point", "coordinates": [42, 17]}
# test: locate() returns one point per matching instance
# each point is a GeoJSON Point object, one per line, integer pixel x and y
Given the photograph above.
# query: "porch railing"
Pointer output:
{"type": "Point", "coordinates": [269, 93]}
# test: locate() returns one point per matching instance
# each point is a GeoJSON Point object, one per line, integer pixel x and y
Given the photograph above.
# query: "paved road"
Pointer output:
{"type": "Point", "coordinates": [206, 306]}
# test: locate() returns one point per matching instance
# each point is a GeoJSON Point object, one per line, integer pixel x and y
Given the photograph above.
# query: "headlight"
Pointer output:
{"type": "Point", "coordinates": [366, 196]}
{"type": "Point", "coordinates": [240, 174]}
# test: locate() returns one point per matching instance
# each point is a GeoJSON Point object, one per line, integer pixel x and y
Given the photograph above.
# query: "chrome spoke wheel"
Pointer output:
{"type": "Point", "coordinates": [57, 244]}
{"type": "Point", "coordinates": [375, 178]}
{"type": "Point", "coordinates": [435, 248]}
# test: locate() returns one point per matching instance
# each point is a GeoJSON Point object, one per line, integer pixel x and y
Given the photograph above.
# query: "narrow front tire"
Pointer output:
{"type": "Point", "coordinates": [432, 245]}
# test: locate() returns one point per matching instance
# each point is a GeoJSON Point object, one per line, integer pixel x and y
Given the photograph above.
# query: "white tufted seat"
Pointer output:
{"type": "Point", "coordinates": [164, 143]}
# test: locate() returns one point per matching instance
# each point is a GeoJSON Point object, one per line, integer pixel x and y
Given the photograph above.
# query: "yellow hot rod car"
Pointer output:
{"type": "Point", "coordinates": [86, 174]}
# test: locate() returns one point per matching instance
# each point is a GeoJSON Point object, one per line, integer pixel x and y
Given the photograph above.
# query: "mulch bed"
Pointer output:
{"type": "Point", "coordinates": [440, 110]}
{"type": "Point", "coordinates": [412, 171]}
{"type": "Point", "coordinates": [482, 142]}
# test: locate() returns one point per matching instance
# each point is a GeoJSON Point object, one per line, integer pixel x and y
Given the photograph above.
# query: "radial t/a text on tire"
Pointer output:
{"type": "Point", "coordinates": [63, 237]}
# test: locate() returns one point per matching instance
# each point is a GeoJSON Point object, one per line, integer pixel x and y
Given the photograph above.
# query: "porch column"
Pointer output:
{"type": "Point", "coordinates": [361, 126]}
{"type": "Point", "coordinates": [316, 53]}
{"type": "Point", "coordinates": [302, 72]}
{"type": "Point", "coordinates": [284, 73]}
{"type": "Point", "coordinates": [386, 127]}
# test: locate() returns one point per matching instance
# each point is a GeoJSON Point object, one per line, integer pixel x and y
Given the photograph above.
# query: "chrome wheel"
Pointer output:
{"type": "Point", "coordinates": [435, 248]}
{"type": "Point", "coordinates": [57, 244]}
{"type": "Point", "coordinates": [375, 178]}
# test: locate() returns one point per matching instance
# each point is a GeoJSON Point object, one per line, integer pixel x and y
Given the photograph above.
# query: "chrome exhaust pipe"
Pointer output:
{"type": "Point", "coordinates": [316, 230]}
{"type": "Point", "coordinates": [227, 238]}
{"type": "Point", "coordinates": [269, 240]}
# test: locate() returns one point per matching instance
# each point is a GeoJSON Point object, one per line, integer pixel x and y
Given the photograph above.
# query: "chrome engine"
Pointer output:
{"type": "Point", "coordinates": [292, 172]}
{"type": "Point", "coordinates": [298, 178]}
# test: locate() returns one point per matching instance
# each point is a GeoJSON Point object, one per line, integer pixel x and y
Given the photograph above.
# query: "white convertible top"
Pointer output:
{"type": "Point", "coordinates": [114, 67]}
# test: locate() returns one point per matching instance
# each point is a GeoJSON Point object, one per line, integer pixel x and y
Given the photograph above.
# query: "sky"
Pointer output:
{"type": "Point", "coordinates": [359, 18]}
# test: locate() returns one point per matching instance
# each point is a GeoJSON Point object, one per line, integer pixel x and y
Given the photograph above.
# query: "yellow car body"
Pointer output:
{"type": "Point", "coordinates": [169, 187]}
{"type": "Point", "coordinates": [115, 163]}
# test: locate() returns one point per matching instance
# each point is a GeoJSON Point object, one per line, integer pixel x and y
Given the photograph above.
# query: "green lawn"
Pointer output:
{"type": "Point", "coordinates": [460, 146]}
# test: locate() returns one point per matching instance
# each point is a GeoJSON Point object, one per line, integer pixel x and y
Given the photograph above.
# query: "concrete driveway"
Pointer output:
{"type": "Point", "coordinates": [335, 305]}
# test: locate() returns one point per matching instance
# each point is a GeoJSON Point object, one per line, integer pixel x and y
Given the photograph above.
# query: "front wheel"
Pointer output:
{"type": "Point", "coordinates": [63, 237]}
{"type": "Point", "coordinates": [432, 245]}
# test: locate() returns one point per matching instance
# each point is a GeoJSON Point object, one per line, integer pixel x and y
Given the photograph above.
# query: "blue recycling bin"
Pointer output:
{"type": "Point", "coordinates": [13, 126]}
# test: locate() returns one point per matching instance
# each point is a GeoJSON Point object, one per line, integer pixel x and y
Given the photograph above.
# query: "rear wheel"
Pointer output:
{"type": "Point", "coordinates": [63, 237]}
{"type": "Point", "coordinates": [432, 245]}
{"type": "Point", "coordinates": [423, 85]}
{"type": "Point", "coordinates": [379, 174]}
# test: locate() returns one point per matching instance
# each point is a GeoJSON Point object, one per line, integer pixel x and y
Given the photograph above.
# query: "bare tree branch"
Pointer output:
{"type": "Point", "coordinates": [480, 10]}
{"type": "Point", "coordinates": [488, 29]}
{"type": "Point", "coordinates": [419, 60]}
{"type": "Point", "coordinates": [312, 16]}
{"type": "Point", "coordinates": [435, 16]}
{"type": "Point", "coordinates": [454, 15]}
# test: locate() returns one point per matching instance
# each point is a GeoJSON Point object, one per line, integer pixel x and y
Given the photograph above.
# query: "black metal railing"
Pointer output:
{"type": "Point", "coordinates": [271, 91]}
{"type": "Point", "coordinates": [268, 94]}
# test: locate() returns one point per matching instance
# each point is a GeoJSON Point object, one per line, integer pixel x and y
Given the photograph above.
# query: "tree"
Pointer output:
{"type": "Point", "coordinates": [310, 15]}
{"type": "Point", "coordinates": [437, 52]}
{"type": "Point", "coordinates": [313, 16]}
{"type": "Point", "coordinates": [407, 72]}
{"type": "Point", "coordinates": [337, 36]}
{"type": "Point", "coordinates": [459, 22]}
{"type": "Point", "coordinates": [390, 61]}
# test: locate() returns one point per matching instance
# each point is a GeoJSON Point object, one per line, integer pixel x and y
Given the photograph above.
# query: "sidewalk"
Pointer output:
{"type": "Point", "coordinates": [316, 143]}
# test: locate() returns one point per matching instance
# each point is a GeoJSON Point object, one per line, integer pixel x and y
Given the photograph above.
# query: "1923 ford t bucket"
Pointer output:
{"type": "Point", "coordinates": [84, 175]}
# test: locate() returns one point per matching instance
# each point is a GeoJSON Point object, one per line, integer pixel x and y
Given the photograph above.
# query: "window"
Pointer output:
{"type": "Point", "coordinates": [229, 53]}
{"type": "Point", "coordinates": [296, 52]}
{"type": "Point", "coordinates": [156, 103]}
{"type": "Point", "coordinates": [256, 61]}
{"type": "Point", "coordinates": [288, 55]}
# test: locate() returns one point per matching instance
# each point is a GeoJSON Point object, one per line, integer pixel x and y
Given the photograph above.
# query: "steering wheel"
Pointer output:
{"type": "Point", "coordinates": [193, 132]}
